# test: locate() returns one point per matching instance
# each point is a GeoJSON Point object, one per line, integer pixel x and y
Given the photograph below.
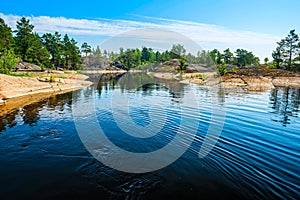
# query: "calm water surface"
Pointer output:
{"type": "Point", "coordinates": [257, 155]}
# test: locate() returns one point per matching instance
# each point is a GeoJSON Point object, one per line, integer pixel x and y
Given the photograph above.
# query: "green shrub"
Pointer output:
{"type": "Point", "coordinates": [222, 69]}
{"type": "Point", "coordinates": [272, 65]}
{"type": "Point", "coordinates": [8, 61]}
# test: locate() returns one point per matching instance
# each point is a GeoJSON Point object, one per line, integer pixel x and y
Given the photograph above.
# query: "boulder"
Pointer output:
{"type": "Point", "coordinates": [173, 62]}
{"type": "Point", "coordinates": [24, 66]}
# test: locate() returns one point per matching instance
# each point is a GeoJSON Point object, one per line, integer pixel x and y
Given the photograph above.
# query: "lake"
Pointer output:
{"type": "Point", "coordinates": [255, 155]}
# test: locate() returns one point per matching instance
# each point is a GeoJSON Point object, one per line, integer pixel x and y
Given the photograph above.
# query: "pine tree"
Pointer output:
{"type": "Point", "coordinates": [228, 56]}
{"type": "Point", "coordinates": [8, 59]}
{"type": "Point", "coordinates": [37, 53]}
{"type": "Point", "coordinates": [75, 55]}
{"type": "Point", "coordinates": [24, 37]}
{"type": "Point", "coordinates": [290, 45]}
{"type": "Point", "coordinates": [286, 51]}
{"type": "Point", "coordinates": [6, 37]}
{"type": "Point", "coordinates": [85, 48]}
{"type": "Point", "coordinates": [277, 54]}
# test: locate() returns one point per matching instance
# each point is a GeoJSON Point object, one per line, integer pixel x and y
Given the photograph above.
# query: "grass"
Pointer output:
{"type": "Point", "coordinates": [199, 76]}
{"type": "Point", "coordinates": [26, 74]}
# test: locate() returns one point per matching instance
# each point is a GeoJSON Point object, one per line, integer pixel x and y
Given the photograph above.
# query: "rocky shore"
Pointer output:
{"type": "Point", "coordinates": [251, 83]}
{"type": "Point", "coordinates": [19, 91]}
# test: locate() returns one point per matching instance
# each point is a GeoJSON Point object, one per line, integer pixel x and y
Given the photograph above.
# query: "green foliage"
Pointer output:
{"type": "Point", "coordinates": [37, 53]}
{"type": "Point", "coordinates": [228, 56]}
{"type": "Point", "coordinates": [278, 55]}
{"type": "Point", "coordinates": [266, 60]}
{"type": "Point", "coordinates": [147, 55]}
{"type": "Point", "coordinates": [48, 51]}
{"type": "Point", "coordinates": [26, 74]}
{"type": "Point", "coordinates": [272, 65]}
{"type": "Point", "coordinates": [75, 57]}
{"type": "Point", "coordinates": [222, 69]}
{"type": "Point", "coordinates": [245, 57]}
{"type": "Point", "coordinates": [178, 50]}
{"type": "Point", "coordinates": [200, 76]}
{"type": "Point", "coordinates": [183, 65]}
{"type": "Point", "coordinates": [85, 48]}
{"type": "Point", "coordinates": [24, 37]}
{"type": "Point", "coordinates": [8, 61]}
{"type": "Point", "coordinates": [216, 56]}
{"type": "Point", "coordinates": [233, 70]}
{"type": "Point", "coordinates": [6, 38]}
{"type": "Point", "coordinates": [287, 51]}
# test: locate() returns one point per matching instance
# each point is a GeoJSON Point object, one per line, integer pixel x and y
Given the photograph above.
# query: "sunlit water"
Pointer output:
{"type": "Point", "coordinates": [257, 155]}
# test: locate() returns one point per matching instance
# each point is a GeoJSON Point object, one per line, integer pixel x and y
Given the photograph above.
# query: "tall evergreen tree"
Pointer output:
{"type": "Point", "coordinates": [54, 45]}
{"type": "Point", "coordinates": [216, 56]}
{"type": "Point", "coordinates": [37, 53]}
{"type": "Point", "coordinates": [8, 59]}
{"type": "Point", "coordinates": [286, 51]}
{"type": "Point", "coordinates": [6, 37]}
{"type": "Point", "coordinates": [228, 56]}
{"type": "Point", "coordinates": [178, 49]}
{"type": "Point", "coordinates": [75, 55]}
{"type": "Point", "coordinates": [67, 51]}
{"type": "Point", "coordinates": [85, 48]}
{"type": "Point", "coordinates": [24, 37]}
{"type": "Point", "coordinates": [278, 54]}
{"type": "Point", "coordinates": [291, 47]}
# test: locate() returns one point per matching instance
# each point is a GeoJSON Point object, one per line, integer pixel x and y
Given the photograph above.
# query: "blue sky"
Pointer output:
{"type": "Point", "coordinates": [255, 25]}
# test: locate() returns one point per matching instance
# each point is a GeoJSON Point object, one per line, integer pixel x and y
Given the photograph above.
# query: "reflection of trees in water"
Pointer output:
{"type": "Point", "coordinates": [58, 102]}
{"type": "Point", "coordinates": [31, 113]}
{"type": "Point", "coordinates": [139, 82]}
{"type": "Point", "coordinates": [285, 103]}
{"type": "Point", "coordinates": [107, 81]}
{"type": "Point", "coordinates": [8, 120]}
{"type": "Point", "coordinates": [221, 95]}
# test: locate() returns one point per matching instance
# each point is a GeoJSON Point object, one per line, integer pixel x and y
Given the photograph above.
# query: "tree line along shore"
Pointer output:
{"type": "Point", "coordinates": [52, 51]}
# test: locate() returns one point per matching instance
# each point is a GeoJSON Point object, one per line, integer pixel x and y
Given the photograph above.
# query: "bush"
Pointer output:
{"type": "Point", "coordinates": [222, 69]}
{"type": "Point", "coordinates": [8, 61]}
{"type": "Point", "coordinates": [183, 65]}
{"type": "Point", "coordinates": [272, 65]}
{"type": "Point", "coordinates": [199, 76]}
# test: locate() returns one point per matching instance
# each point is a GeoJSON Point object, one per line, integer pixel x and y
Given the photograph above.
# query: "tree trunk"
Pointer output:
{"type": "Point", "coordinates": [290, 56]}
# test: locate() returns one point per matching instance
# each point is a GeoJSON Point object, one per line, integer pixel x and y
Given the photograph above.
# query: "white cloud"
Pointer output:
{"type": "Point", "coordinates": [206, 35]}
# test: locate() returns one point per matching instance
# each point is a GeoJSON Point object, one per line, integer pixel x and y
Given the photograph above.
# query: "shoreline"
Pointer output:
{"type": "Point", "coordinates": [250, 83]}
{"type": "Point", "coordinates": [16, 92]}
